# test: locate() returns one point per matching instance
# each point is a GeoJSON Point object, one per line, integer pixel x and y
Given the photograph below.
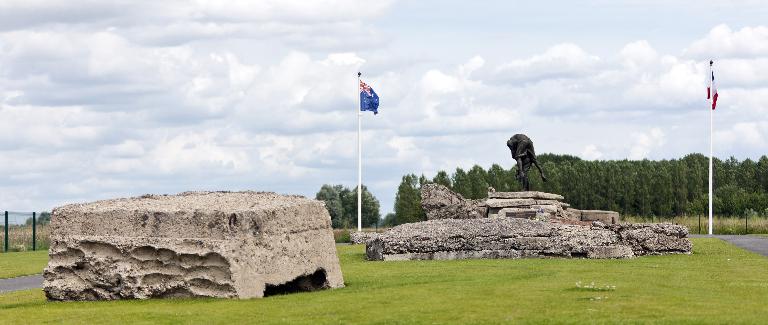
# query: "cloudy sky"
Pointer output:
{"type": "Point", "coordinates": [100, 99]}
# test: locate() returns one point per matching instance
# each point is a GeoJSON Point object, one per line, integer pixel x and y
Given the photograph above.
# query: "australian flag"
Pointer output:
{"type": "Point", "coordinates": [369, 101]}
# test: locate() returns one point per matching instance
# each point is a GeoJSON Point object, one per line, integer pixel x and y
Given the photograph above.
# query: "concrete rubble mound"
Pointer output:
{"type": "Point", "coordinates": [361, 237]}
{"type": "Point", "coordinates": [194, 244]}
{"type": "Point", "coordinates": [520, 238]}
{"type": "Point", "coordinates": [439, 202]}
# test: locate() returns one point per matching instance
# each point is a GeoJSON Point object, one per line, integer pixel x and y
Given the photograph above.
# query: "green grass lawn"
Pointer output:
{"type": "Point", "coordinates": [719, 283]}
{"type": "Point", "coordinates": [22, 263]}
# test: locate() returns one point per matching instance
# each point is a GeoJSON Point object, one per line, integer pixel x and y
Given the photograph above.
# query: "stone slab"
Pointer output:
{"type": "Point", "coordinates": [607, 217]}
{"type": "Point", "coordinates": [525, 195]}
{"type": "Point", "coordinates": [549, 202]}
{"type": "Point", "coordinates": [509, 203]}
{"type": "Point", "coordinates": [517, 213]}
{"type": "Point", "coordinates": [551, 209]}
{"type": "Point", "coordinates": [194, 244]}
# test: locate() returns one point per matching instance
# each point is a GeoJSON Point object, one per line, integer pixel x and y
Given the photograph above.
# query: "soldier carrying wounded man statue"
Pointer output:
{"type": "Point", "coordinates": [522, 150]}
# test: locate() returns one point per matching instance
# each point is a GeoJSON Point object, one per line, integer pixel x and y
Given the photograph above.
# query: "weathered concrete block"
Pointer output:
{"type": "Point", "coordinates": [551, 209]}
{"type": "Point", "coordinates": [435, 196]}
{"type": "Point", "coordinates": [526, 213]}
{"type": "Point", "coordinates": [549, 202]}
{"type": "Point", "coordinates": [525, 195]}
{"type": "Point", "coordinates": [439, 202]}
{"type": "Point", "coordinates": [211, 244]}
{"type": "Point", "coordinates": [607, 217]}
{"type": "Point", "coordinates": [654, 238]}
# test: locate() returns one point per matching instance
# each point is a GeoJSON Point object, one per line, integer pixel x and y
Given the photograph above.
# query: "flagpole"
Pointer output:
{"type": "Point", "coordinates": [359, 160]}
{"type": "Point", "coordinates": [711, 138]}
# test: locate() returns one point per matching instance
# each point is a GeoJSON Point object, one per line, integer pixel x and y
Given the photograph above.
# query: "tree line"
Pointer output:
{"type": "Point", "coordinates": [341, 203]}
{"type": "Point", "coordinates": [662, 188]}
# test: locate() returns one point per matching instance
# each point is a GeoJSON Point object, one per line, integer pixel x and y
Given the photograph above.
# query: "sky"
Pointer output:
{"type": "Point", "coordinates": [104, 99]}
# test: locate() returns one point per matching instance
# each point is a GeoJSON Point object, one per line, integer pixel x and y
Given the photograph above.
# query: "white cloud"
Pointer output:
{"type": "Point", "coordinates": [743, 135]}
{"type": "Point", "coordinates": [639, 54]}
{"type": "Point", "coordinates": [644, 143]}
{"type": "Point", "coordinates": [559, 61]}
{"type": "Point", "coordinates": [722, 42]}
{"type": "Point", "coordinates": [591, 152]}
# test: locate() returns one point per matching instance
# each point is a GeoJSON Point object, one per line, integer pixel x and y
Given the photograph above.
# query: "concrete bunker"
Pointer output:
{"type": "Point", "coordinates": [194, 244]}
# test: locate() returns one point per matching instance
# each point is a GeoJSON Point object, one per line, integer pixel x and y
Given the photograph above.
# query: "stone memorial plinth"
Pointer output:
{"type": "Point", "coordinates": [439, 202]}
{"type": "Point", "coordinates": [194, 244]}
{"type": "Point", "coordinates": [527, 205]}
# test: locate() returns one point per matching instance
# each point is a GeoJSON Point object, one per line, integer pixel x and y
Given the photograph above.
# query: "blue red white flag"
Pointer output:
{"type": "Point", "coordinates": [712, 89]}
{"type": "Point", "coordinates": [369, 101]}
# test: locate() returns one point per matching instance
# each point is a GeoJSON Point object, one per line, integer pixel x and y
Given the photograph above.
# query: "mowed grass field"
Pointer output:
{"type": "Point", "coordinates": [22, 263]}
{"type": "Point", "coordinates": [719, 283]}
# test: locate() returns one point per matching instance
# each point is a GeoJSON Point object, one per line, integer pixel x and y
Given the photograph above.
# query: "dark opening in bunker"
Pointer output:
{"type": "Point", "coordinates": [309, 282]}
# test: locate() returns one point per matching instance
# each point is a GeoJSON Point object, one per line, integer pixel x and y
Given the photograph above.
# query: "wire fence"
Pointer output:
{"type": "Point", "coordinates": [25, 231]}
{"type": "Point", "coordinates": [721, 225]}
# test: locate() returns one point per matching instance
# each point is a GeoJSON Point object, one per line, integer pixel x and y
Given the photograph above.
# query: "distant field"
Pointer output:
{"type": "Point", "coordinates": [20, 238]}
{"type": "Point", "coordinates": [718, 283]}
{"type": "Point", "coordinates": [722, 225]}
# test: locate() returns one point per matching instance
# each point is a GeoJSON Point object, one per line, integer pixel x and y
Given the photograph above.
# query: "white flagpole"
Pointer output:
{"type": "Point", "coordinates": [711, 137]}
{"type": "Point", "coordinates": [359, 161]}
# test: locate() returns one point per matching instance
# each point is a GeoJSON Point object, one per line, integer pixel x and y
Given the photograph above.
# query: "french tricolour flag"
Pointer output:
{"type": "Point", "coordinates": [712, 89]}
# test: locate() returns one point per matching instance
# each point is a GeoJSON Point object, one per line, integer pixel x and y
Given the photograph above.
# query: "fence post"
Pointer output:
{"type": "Point", "coordinates": [5, 245]}
{"type": "Point", "coordinates": [746, 224]}
{"type": "Point", "coordinates": [34, 231]}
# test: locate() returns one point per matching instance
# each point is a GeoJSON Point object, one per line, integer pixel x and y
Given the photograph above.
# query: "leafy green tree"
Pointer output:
{"type": "Point", "coordinates": [408, 201]}
{"type": "Point", "coordinates": [478, 186]}
{"type": "Point", "coordinates": [370, 214]}
{"type": "Point", "coordinates": [497, 178]}
{"type": "Point", "coordinates": [43, 218]}
{"type": "Point", "coordinates": [762, 173]}
{"type": "Point", "coordinates": [341, 203]}
{"type": "Point", "coordinates": [389, 220]}
{"type": "Point", "coordinates": [330, 195]}
{"type": "Point", "coordinates": [442, 178]}
{"type": "Point", "coordinates": [462, 183]}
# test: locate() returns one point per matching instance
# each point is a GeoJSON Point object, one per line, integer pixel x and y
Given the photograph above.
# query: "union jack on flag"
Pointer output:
{"type": "Point", "coordinates": [369, 101]}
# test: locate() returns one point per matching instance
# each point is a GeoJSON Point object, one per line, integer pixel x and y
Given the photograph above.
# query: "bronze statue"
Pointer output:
{"type": "Point", "coordinates": [521, 147]}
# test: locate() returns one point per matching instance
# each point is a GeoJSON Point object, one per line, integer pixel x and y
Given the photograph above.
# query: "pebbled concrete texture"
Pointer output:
{"type": "Point", "coordinates": [520, 238]}
{"type": "Point", "coordinates": [21, 283]}
{"type": "Point", "coordinates": [194, 244]}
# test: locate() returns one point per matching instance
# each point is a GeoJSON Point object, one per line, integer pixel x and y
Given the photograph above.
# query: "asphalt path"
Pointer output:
{"type": "Point", "coordinates": [757, 244]}
{"type": "Point", "coordinates": [21, 283]}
